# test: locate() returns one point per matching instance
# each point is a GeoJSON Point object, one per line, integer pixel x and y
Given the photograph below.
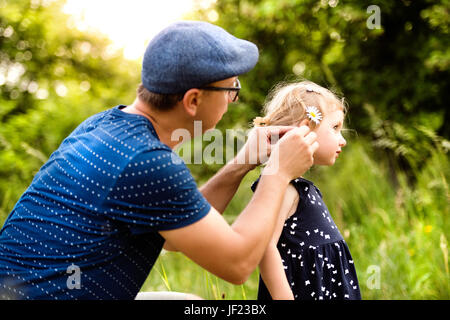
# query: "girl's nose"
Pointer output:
{"type": "Point", "coordinates": [342, 142]}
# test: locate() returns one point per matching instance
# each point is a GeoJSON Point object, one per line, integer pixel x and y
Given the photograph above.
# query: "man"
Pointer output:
{"type": "Point", "coordinates": [97, 214]}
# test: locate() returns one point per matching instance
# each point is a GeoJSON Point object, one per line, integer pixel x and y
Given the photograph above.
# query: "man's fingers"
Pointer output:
{"type": "Point", "coordinates": [310, 137]}
{"type": "Point", "coordinates": [303, 130]}
{"type": "Point", "coordinates": [314, 146]}
{"type": "Point", "coordinates": [278, 130]}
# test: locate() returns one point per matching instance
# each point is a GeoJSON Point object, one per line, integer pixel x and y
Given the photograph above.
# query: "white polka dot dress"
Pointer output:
{"type": "Point", "coordinates": [87, 226]}
{"type": "Point", "coordinates": [316, 258]}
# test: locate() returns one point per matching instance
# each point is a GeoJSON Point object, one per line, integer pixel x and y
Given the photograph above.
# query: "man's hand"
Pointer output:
{"type": "Point", "coordinates": [258, 147]}
{"type": "Point", "coordinates": [220, 189]}
{"type": "Point", "coordinates": [293, 155]}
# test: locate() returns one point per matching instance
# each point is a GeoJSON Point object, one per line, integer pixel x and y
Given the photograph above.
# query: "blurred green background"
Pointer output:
{"type": "Point", "coordinates": [388, 192]}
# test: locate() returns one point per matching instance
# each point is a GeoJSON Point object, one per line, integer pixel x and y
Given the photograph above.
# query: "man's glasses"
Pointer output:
{"type": "Point", "coordinates": [233, 92]}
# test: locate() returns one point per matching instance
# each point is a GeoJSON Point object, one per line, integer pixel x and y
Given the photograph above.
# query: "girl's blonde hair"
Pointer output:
{"type": "Point", "coordinates": [286, 104]}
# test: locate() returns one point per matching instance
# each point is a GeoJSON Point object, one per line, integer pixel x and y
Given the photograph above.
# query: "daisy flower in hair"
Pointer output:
{"type": "Point", "coordinates": [313, 114]}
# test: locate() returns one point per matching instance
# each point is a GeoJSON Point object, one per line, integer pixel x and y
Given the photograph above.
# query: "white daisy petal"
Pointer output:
{"type": "Point", "coordinates": [313, 114]}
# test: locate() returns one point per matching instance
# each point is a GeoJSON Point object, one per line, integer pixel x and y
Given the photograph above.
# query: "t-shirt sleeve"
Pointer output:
{"type": "Point", "coordinates": [156, 191]}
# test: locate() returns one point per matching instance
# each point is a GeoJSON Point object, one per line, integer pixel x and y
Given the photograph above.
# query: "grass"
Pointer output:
{"type": "Point", "coordinates": [398, 237]}
{"type": "Point", "coordinates": [183, 275]}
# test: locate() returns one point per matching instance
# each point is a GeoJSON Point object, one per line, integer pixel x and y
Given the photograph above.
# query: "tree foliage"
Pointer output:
{"type": "Point", "coordinates": [52, 77]}
{"type": "Point", "coordinates": [399, 70]}
{"type": "Point", "coordinates": [395, 78]}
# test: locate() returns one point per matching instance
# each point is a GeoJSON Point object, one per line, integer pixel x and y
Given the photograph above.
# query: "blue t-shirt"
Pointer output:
{"type": "Point", "coordinates": [87, 226]}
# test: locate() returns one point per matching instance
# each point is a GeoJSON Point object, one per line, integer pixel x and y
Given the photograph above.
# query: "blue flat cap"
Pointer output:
{"type": "Point", "coordinates": [191, 54]}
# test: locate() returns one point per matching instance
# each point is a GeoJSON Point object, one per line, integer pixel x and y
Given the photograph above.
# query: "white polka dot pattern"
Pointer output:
{"type": "Point", "coordinates": [98, 203]}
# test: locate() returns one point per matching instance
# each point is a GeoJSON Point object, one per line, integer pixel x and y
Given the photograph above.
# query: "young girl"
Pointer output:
{"type": "Point", "coordinates": [307, 257]}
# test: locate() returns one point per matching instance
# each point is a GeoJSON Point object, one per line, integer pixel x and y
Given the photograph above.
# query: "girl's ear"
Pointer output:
{"type": "Point", "coordinates": [304, 122]}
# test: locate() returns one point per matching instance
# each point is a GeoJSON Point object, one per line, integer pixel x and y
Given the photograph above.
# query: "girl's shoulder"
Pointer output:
{"type": "Point", "coordinates": [305, 186]}
{"type": "Point", "coordinates": [302, 185]}
{"type": "Point", "coordinates": [290, 199]}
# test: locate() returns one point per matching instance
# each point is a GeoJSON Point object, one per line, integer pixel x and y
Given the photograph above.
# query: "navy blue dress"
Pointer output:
{"type": "Point", "coordinates": [315, 256]}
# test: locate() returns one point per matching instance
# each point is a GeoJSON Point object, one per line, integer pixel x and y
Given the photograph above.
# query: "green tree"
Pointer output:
{"type": "Point", "coordinates": [52, 77]}
{"type": "Point", "coordinates": [395, 77]}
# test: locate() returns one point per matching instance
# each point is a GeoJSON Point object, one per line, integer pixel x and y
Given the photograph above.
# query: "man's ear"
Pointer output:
{"type": "Point", "coordinates": [191, 101]}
